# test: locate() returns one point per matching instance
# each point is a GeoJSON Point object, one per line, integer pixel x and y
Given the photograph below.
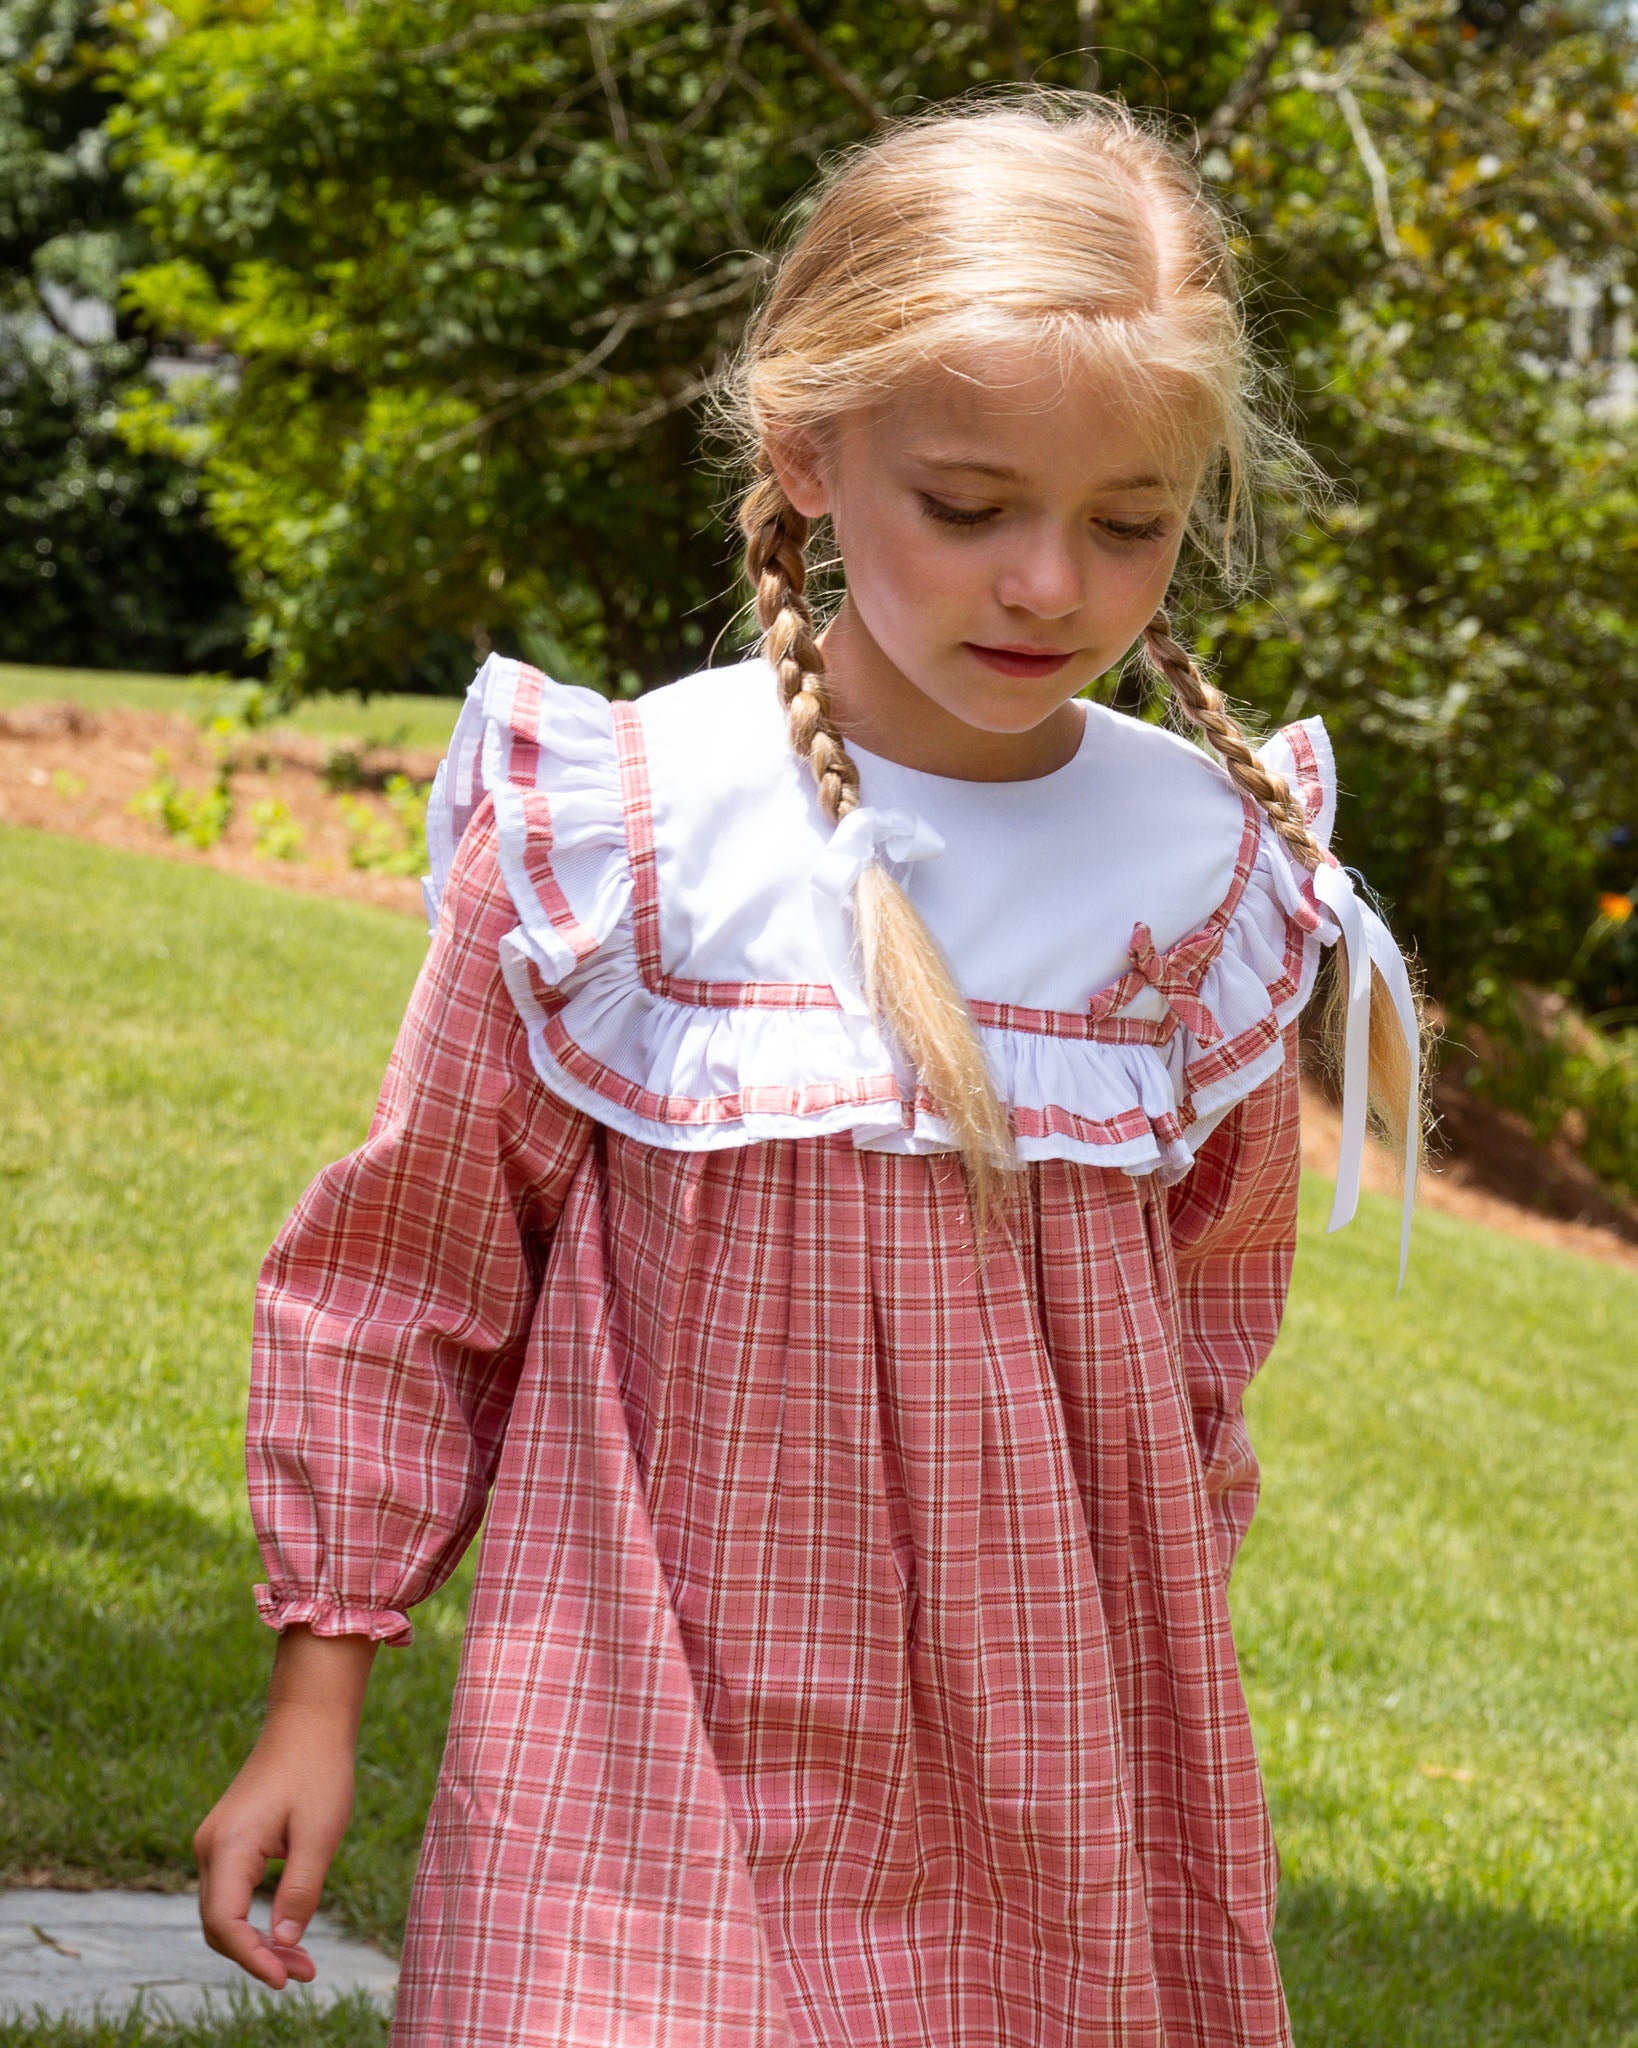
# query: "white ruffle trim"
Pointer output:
{"type": "Point", "coordinates": [690, 1075]}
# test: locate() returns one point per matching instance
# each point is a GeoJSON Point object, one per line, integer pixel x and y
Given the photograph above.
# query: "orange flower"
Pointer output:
{"type": "Point", "coordinates": [1616, 908]}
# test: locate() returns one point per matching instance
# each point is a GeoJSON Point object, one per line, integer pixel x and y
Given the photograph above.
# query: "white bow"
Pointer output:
{"type": "Point", "coordinates": [863, 834]}
{"type": "Point", "coordinates": [1369, 943]}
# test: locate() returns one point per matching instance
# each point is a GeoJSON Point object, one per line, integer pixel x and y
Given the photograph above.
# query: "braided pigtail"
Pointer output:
{"type": "Point", "coordinates": [1205, 706]}
{"type": "Point", "coordinates": [907, 981]}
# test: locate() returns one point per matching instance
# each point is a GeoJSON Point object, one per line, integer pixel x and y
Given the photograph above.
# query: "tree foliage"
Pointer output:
{"type": "Point", "coordinates": [1464, 618]}
{"type": "Point", "coordinates": [478, 263]}
{"type": "Point", "coordinates": [105, 555]}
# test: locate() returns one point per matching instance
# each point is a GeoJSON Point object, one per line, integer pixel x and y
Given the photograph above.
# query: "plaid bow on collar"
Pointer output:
{"type": "Point", "coordinates": [1177, 973]}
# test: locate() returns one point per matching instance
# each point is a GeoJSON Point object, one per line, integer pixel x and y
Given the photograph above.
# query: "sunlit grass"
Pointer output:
{"type": "Point", "coordinates": [182, 1052]}
{"type": "Point", "coordinates": [1438, 1616]}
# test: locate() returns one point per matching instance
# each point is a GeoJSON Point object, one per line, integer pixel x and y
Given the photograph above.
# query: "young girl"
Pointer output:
{"type": "Point", "coordinates": [832, 1187]}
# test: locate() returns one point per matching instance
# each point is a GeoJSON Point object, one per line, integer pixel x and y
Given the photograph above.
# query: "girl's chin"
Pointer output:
{"type": "Point", "coordinates": [1018, 710]}
{"type": "Point", "coordinates": [1005, 722]}
{"type": "Point", "coordinates": [951, 682]}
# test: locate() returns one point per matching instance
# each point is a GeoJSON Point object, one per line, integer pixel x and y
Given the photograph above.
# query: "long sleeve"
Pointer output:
{"type": "Point", "coordinates": [1233, 1221]}
{"type": "Point", "coordinates": [394, 1307]}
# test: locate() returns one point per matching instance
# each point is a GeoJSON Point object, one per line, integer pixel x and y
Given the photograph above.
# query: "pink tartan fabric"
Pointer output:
{"type": "Point", "coordinates": [849, 1663]}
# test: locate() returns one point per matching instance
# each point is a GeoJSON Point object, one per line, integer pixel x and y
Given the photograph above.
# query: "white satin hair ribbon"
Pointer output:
{"type": "Point", "coordinates": [1369, 943]}
{"type": "Point", "coordinates": [864, 833]}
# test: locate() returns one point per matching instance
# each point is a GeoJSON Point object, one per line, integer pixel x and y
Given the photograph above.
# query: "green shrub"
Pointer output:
{"type": "Point", "coordinates": [1569, 1075]}
{"type": "Point", "coordinates": [343, 766]}
{"type": "Point", "coordinates": [278, 836]}
{"type": "Point", "coordinates": [199, 816]}
{"type": "Point", "coordinates": [396, 844]}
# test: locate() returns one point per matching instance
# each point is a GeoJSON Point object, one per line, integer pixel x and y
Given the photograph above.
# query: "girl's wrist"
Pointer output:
{"type": "Point", "coordinates": [319, 1681]}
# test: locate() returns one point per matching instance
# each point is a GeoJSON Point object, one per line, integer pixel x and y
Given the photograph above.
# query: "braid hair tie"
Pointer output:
{"type": "Point", "coordinates": [864, 835]}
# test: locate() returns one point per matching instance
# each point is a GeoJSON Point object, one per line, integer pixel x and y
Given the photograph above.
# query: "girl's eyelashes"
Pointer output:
{"type": "Point", "coordinates": [1127, 530]}
{"type": "Point", "coordinates": [1147, 529]}
{"type": "Point", "coordinates": [955, 515]}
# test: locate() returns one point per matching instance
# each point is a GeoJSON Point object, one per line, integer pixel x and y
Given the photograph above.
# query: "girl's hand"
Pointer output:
{"type": "Point", "coordinates": [292, 1798]}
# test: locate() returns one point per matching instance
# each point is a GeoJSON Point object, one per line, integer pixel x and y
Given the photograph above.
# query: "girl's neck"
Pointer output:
{"type": "Point", "coordinates": [875, 705]}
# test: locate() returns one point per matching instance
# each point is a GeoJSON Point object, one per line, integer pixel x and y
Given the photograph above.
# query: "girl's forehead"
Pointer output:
{"type": "Point", "coordinates": [1037, 422]}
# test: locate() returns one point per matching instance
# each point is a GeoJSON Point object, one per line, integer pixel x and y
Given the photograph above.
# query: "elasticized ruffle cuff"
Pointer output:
{"type": "Point", "coordinates": [327, 1616]}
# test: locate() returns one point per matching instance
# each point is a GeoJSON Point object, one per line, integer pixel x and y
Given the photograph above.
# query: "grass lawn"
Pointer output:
{"type": "Point", "coordinates": [380, 722]}
{"type": "Point", "coordinates": [340, 2023]}
{"type": "Point", "coordinates": [1436, 1605]}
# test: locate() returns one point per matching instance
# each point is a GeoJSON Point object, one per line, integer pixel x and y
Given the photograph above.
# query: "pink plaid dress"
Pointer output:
{"type": "Point", "coordinates": [849, 1662]}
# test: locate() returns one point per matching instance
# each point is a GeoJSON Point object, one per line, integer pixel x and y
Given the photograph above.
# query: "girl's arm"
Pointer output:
{"type": "Point", "coordinates": [1234, 1231]}
{"type": "Point", "coordinates": [395, 1305]}
{"type": "Point", "coordinates": [392, 1317]}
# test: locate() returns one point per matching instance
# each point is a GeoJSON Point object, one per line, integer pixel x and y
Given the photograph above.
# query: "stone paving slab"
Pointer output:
{"type": "Point", "coordinates": [78, 1953]}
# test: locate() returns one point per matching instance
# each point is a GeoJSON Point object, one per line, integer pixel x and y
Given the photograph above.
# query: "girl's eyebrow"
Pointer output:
{"type": "Point", "coordinates": [973, 467]}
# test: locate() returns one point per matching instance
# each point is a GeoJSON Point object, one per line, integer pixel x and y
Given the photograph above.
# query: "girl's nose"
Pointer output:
{"type": "Point", "coordinates": [1044, 581]}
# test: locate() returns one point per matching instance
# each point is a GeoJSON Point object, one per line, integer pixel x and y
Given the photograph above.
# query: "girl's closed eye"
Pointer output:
{"type": "Point", "coordinates": [956, 515]}
{"type": "Point", "coordinates": [1137, 530]}
{"type": "Point", "coordinates": [1131, 531]}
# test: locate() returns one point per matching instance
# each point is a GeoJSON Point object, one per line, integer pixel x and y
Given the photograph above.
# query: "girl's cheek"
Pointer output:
{"type": "Point", "coordinates": [1139, 577]}
{"type": "Point", "coordinates": [924, 565]}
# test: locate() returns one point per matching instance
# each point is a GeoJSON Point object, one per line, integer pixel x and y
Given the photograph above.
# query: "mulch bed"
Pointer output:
{"type": "Point", "coordinates": [66, 769]}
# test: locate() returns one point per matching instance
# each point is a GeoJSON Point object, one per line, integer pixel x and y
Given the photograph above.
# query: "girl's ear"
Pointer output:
{"type": "Point", "coordinates": [796, 463]}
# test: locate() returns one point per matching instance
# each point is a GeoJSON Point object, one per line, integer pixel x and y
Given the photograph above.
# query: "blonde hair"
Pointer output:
{"type": "Point", "coordinates": [1061, 220]}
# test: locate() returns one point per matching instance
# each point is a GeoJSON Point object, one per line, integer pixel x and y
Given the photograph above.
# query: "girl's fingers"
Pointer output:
{"type": "Point", "coordinates": [296, 1900]}
{"type": "Point", "coordinates": [298, 1964]}
{"type": "Point", "coordinates": [229, 1872]}
{"type": "Point", "coordinates": [227, 1883]}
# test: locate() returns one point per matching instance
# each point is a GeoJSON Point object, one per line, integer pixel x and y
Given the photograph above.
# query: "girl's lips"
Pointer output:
{"type": "Point", "coordinates": [1017, 661]}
